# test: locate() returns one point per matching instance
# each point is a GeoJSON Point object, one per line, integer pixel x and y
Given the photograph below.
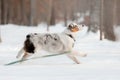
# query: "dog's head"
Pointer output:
{"type": "Point", "coordinates": [73, 27]}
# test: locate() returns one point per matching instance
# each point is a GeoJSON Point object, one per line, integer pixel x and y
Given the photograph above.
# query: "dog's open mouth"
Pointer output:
{"type": "Point", "coordinates": [75, 29]}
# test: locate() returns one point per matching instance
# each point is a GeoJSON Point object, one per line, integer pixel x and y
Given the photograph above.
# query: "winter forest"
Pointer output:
{"type": "Point", "coordinates": [96, 14]}
{"type": "Point", "coordinates": [99, 39]}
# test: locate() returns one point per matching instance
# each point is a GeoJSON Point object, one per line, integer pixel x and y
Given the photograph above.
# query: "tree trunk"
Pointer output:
{"type": "Point", "coordinates": [108, 20]}
{"type": "Point", "coordinates": [52, 19]}
{"type": "Point", "coordinates": [49, 14]}
{"type": "Point", "coordinates": [65, 12]}
{"type": "Point", "coordinates": [2, 11]}
{"type": "Point", "coordinates": [114, 13]}
{"type": "Point", "coordinates": [0, 36]}
{"type": "Point", "coordinates": [65, 18]}
{"type": "Point", "coordinates": [33, 11]}
{"type": "Point", "coordinates": [26, 12]}
{"type": "Point", "coordinates": [91, 8]}
{"type": "Point", "coordinates": [0, 20]}
{"type": "Point", "coordinates": [101, 19]}
{"type": "Point", "coordinates": [118, 12]}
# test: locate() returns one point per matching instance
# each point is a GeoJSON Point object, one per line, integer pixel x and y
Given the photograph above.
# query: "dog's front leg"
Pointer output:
{"type": "Point", "coordinates": [73, 58]}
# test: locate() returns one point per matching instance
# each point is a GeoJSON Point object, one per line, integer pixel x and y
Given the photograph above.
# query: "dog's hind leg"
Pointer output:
{"type": "Point", "coordinates": [20, 53]}
{"type": "Point", "coordinates": [73, 58]}
{"type": "Point", "coordinates": [76, 53]}
{"type": "Point", "coordinates": [81, 54]}
{"type": "Point", "coordinates": [26, 55]}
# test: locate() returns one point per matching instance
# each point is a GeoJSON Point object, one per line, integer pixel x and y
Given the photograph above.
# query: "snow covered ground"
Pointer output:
{"type": "Point", "coordinates": [102, 61]}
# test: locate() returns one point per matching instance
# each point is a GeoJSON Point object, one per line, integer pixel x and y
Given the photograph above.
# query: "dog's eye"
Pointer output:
{"type": "Point", "coordinates": [70, 26]}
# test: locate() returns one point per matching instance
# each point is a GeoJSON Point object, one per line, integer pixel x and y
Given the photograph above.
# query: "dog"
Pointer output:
{"type": "Point", "coordinates": [52, 42]}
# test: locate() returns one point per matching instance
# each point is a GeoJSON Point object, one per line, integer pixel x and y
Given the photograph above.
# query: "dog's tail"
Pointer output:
{"type": "Point", "coordinates": [28, 47]}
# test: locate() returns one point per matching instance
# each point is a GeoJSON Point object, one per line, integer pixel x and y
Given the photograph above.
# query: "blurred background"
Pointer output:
{"type": "Point", "coordinates": [103, 15]}
{"type": "Point", "coordinates": [99, 39]}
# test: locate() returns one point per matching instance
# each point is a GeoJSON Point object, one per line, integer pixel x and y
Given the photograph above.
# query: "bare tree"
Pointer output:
{"type": "Point", "coordinates": [114, 13]}
{"type": "Point", "coordinates": [1, 17]}
{"type": "Point", "coordinates": [118, 12]}
{"type": "Point", "coordinates": [101, 19]}
{"type": "Point", "coordinates": [94, 15]}
{"type": "Point", "coordinates": [65, 12]}
{"type": "Point", "coordinates": [108, 20]}
{"type": "Point", "coordinates": [33, 13]}
{"type": "Point", "coordinates": [2, 11]}
{"type": "Point", "coordinates": [49, 14]}
{"type": "Point", "coordinates": [0, 36]}
{"type": "Point", "coordinates": [52, 18]}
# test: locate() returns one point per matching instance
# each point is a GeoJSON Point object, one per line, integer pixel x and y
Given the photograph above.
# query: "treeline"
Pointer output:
{"type": "Point", "coordinates": [32, 12]}
{"type": "Point", "coordinates": [98, 14]}
{"type": "Point", "coordinates": [15, 12]}
{"type": "Point", "coordinates": [109, 18]}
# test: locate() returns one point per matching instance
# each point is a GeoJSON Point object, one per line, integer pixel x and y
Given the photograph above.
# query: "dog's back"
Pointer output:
{"type": "Point", "coordinates": [54, 42]}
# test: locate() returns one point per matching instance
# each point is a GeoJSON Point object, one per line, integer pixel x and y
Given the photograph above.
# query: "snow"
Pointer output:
{"type": "Point", "coordinates": [102, 61]}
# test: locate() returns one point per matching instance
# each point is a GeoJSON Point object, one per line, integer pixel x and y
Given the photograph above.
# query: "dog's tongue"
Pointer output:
{"type": "Point", "coordinates": [75, 29]}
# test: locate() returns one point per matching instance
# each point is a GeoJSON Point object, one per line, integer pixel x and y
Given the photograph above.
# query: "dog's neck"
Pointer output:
{"type": "Point", "coordinates": [68, 32]}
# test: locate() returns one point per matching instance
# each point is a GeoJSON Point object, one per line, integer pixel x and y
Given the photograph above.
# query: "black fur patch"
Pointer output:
{"type": "Point", "coordinates": [71, 37]}
{"type": "Point", "coordinates": [28, 46]}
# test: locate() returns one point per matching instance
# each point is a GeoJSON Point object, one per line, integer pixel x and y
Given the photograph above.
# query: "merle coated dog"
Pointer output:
{"type": "Point", "coordinates": [52, 42]}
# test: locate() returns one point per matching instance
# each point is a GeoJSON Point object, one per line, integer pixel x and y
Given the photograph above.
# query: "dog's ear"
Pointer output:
{"type": "Point", "coordinates": [70, 26]}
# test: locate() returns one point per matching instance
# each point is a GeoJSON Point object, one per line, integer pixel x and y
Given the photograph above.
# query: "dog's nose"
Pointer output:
{"type": "Point", "coordinates": [28, 36]}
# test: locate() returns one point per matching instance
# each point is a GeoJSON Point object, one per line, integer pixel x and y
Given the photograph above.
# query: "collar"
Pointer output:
{"type": "Point", "coordinates": [71, 36]}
